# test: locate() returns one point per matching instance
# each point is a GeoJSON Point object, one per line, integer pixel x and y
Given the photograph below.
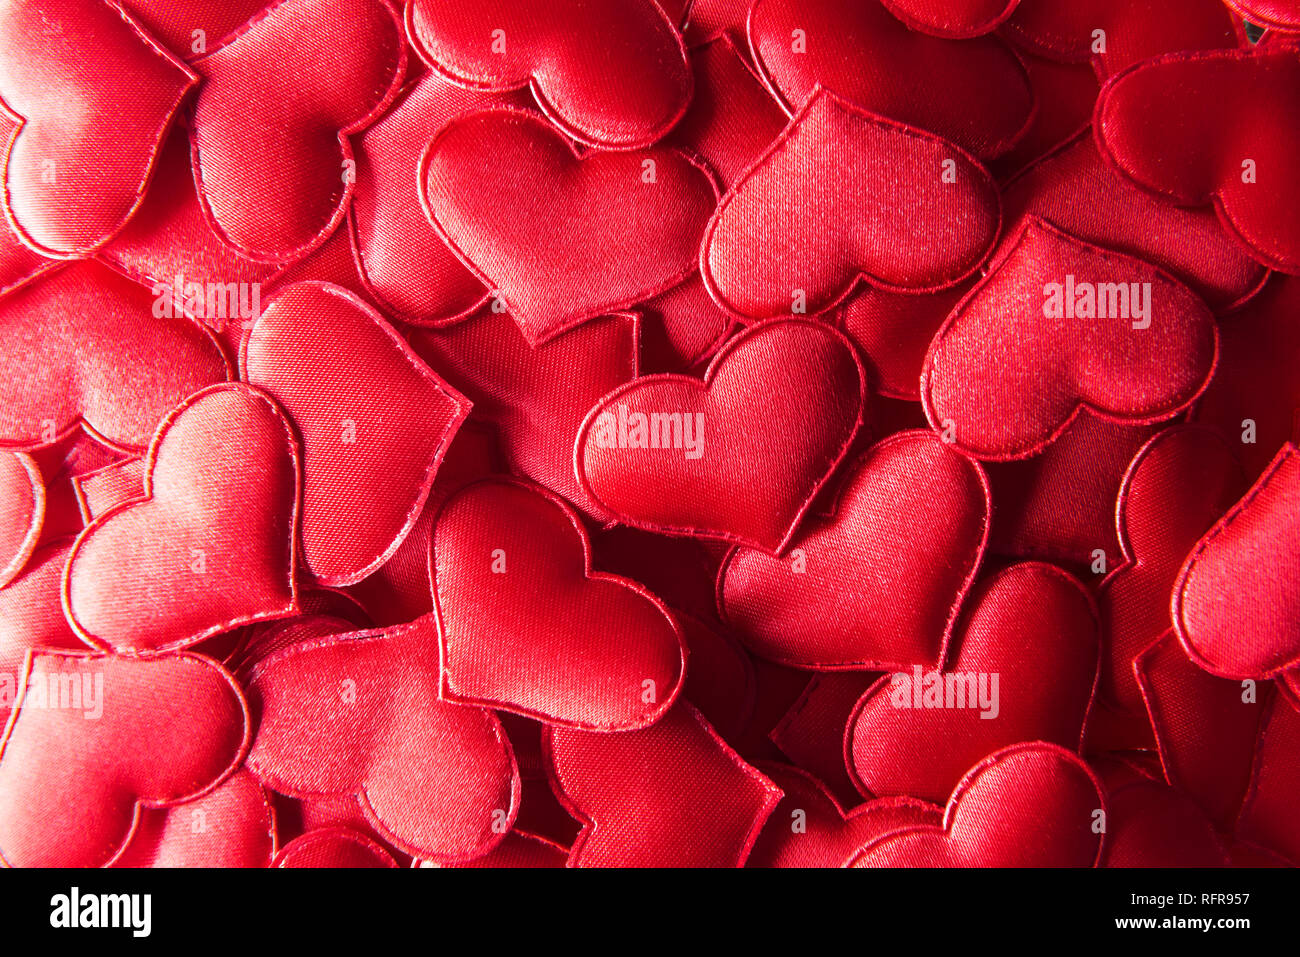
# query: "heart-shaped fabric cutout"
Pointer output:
{"type": "Point", "coordinates": [893, 205]}
{"type": "Point", "coordinates": [504, 556]}
{"type": "Point", "coordinates": [976, 93]}
{"type": "Point", "coordinates": [333, 847]}
{"type": "Point", "coordinates": [668, 453]}
{"type": "Point", "coordinates": [271, 154]}
{"type": "Point", "coordinates": [103, 359]}
{"type": "Point", "coordinates": [1029, 805]}
{"type": "Point", "coordinates": [1198, 128]}
{"type": "Point", "coordinates": [1025, 670]}
{"type": "Point", "coordinates": [359, 714]}
{"type": "Point", "coordinates": [1236, 602]}
{"type": "Point", "coordinates": [610, 230]}
{"type": "Point", "coordinates": [1081, 327]}
{"type": "Point", "coordinates": [198, 555]}
{"type": "Point", "coordinates": [694, 802]}
{"type": "Point", "coordinates": [74, 177]}
{"type": "Point", "coordinates": [911, 518]}
{"type": "Point", "coordinates": [607, 74]}
{"type": "Point", "coordinates": [955, 19]}
{"type": "Point", "coordinates": [810, 829]}
{"type": "Point", "coordinates": [94, 740]}
{"type": "Point", "coordinates": [375, 423]}
{"type": "Point", "coordinates": [22, 512]}
{"type": "Point", "coordinates": [521, 849]}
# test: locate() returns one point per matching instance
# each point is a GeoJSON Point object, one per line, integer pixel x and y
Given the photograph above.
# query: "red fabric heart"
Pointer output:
{"type": "Point", "coordinates": [695, 803]}
{"type": "Point", "coordinates": [1131, 32]}
{"type": "Point", "coordinates": [1029, 805]}
{"type": "Point", "coordinates": [535, 397]}
{"type": "Point", "coordinates": [22, 512]}
{"type": "Point", "coordinates": [1152, 825]}
{"type": "Point", "coordinates": [270, 131]}
{"type": "Point", "coordinates": [525, 625]}
{"type": "Point", "coordinates": [759, 463]}
{"type": "Point", "coordinates": [606, 74]}
{"type": "Point", "coordinates": [977, 93]}
{"type": "Point", "coordinates": [333, 847]}
{"type": "Point", "coordinates": [197, 556]}
{"type": "Point", "coordinates": [103, 359]}
{"type": "Point", "coordinates": [810, 829]}
{"type": "Point", "coordinates": [790, 236]}
{"type": "Point", "coordinates": [946, 18]}
{"type": "Point", "coordinates": [1177, 487]}
{"type": "Point", "coordinates": [231, 826]}
{"type": "Point", "coordinates": [521, 849]}
{"type": "Point", "coordinates": [78, 766]}
{"type": "Point", "coordinates": [1277, 14]}
{"type": "Point", "coordinates": [1184, 126]}
{"type": "Point", "coordinates": [911, 519]}
{"type": "Point", "coordinates": [1012, 402]}
{"type": "Point", "coordinates": [1073, 189]}
{"type": "Point", "coordinates": [1236, 602]}
{"type": "Point", "coordinates": [375, 423]}
{"type": "Point", "coordinates": [612, 229]}
{"type": "Point", "coordinates": [73, 178]}
{"type": "Point", "coordinates": [1033, 626]}
{"type": "Point", "coordinates": [359, 714]}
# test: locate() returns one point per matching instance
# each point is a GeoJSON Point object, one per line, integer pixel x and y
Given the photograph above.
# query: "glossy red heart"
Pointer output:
{"type": "Point", "coordinates": [270, 130]}
{"type": "Point", "coordinates": [74, 177]}
{"type": "Point", "coordinates": [521, 849]}
{"type": "Point", "coordinates": [611, 230]}
{"type": "Point", "coordinates": [738, 467]}
{"type": "Point", "coordinates": [22, 512]}
{"type": "Point", "coordinates": [694, 803]}
{"type": "Point", "coordinates": [333, 847]}
{"type": "Point", "coordinates": [199, 554]}
{"type": "Point", "coordinates": [358, 714]}
{"type": "Point", "coordinates": [1032, 626]}
{"type": "Point", "coordinates": [790, 237]}
{"type": "Point", "coordinates": [1236, 602]}
{"type": "Point", "coordinates": [94, 740]}
{"type": "Point", "coordinates": [976, 92]}
{"type": "Point", "coordinates": [1120, 362]}
{"type": "Point", "coordinates": [1197, 129]}
{"type": "Point", "coordinates": [103, 359]}
{"type": "Point", "coordinates": [611, 75]}
{"type": "Point", "coordinates": [1029, 805]}
{"type": "Point", "coordinates": [375, 423]}
{"type": "Point", "coordinates": [952, 18]}
{"type": "Point", "coordinates": [910, 519]}
{"type": "Point", "coordinates": [524, 624]}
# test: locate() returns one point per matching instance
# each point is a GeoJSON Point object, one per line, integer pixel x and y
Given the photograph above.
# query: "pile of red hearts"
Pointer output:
{"type": "Point", "coordinates": [544, 432]}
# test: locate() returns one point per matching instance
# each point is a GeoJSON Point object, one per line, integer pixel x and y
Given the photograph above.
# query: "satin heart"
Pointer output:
{"type": "Point", "coordinates": [911, 519]}
{"type": "Point", "coordinates": [535, 397]}
{"type": "Point", "coordinates": [610, 230]}
{"type": "Point", "coordinates": [333, 847]}
{"type": "Point", "coordinates": [737, 469]}
{"type": "Point", "coordinates": [199, 554]}
{"type": "Point", "coordinates": [611, 75]}
{"type": "Point", "coordinates": [1033, 630]}
{"type": "Point", "coordinates": [1029, 805]}
{"type": "Point", "coordinates": [695, 803]}
{"type": "Point", "coordinates": [375, 423]}
{"type": "Point", "coordinates": [1152, 825]}
{"type": "Point", "coordinates": [521, 849]}
{"type": "Point", "coordinates": [93, 740]}
{"type": "Point", "coordinates": [956, 20]}
{"type": "Point", "coordinates": [1276, 14]}
{"type": "Point", "coordinates": [22, 512]}
{"type": "Point", "coordinates": [901, 208]}
{"type": "Point", "coordinates": [358, 714]}
{"type": "Point", "coordinates": [976, 93]}
{"type": "Point", "coordinates": [1066, 347]}
{"type": "Point", "coordinates": [74, 177]}
{"type": "Point", "coordinates": [1179, 484]}
{"type": "Point", "coordinates": [103, 359]}
{"type": "Point", "coordinates": [810, 829]}
{"type": "Point", "coordinates": [1198, 129]}
{"type": "Point", "coordinates": [1236, 601]}
{"type": "Point", "coordinates": [271, 154]}
{"type": "Point", "coordinates": [505, 558]}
